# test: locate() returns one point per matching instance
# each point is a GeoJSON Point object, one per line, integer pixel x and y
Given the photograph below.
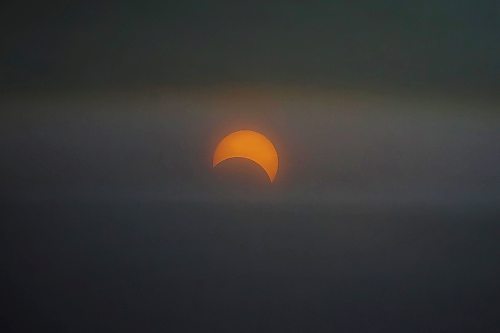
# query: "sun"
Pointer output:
{"type": "Point", "coordinates": [250, 145]}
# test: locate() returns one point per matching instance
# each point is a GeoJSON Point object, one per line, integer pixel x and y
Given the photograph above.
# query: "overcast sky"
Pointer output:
{"type": "Point", "coordinates": [443, 45]}
{"type": "Point", "coordinates": [384, 216]}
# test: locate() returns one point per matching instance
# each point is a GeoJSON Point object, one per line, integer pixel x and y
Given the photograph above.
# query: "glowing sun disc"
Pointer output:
{"type": "Point", "coordinates": [250, 145]}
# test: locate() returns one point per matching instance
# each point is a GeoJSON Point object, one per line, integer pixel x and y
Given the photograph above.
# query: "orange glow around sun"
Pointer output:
{"type": "Point", "coordinates": [250, 145]}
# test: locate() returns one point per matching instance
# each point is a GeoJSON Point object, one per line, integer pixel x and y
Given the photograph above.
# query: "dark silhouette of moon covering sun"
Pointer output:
{"type": "Point", "coordinates": [249, 145]}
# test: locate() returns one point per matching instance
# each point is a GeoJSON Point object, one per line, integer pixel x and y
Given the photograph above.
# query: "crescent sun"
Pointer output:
{"type": "Point", "coordinates": [250, 145]}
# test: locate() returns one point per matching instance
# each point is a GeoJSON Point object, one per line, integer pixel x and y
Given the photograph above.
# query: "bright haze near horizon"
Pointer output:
{"type": "Point", "coordinates": [384, 214]}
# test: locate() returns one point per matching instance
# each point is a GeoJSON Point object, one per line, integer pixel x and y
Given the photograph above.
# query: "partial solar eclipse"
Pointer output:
{"type": "Point", "coordinates": [250, 145]}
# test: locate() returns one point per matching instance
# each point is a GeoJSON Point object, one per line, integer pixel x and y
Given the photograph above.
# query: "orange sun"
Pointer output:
{"type": "Point", "coordinates": [250, 145]}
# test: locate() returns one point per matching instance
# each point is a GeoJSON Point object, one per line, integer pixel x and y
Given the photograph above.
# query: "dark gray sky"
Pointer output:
{"type": "Point", "coordinates": [443, 45]}
{"type": "Point", "coordinates": [384, 216]}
